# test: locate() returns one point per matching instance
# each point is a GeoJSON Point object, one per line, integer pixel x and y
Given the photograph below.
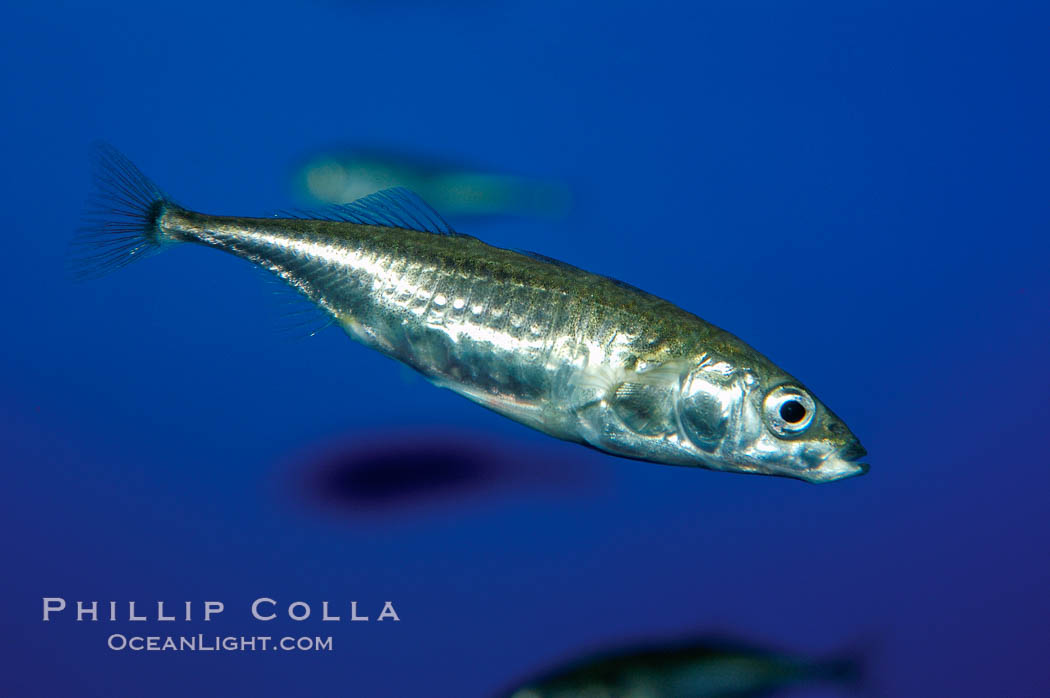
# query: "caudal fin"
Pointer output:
{"type": "Point", "coordinates": [120, 225]}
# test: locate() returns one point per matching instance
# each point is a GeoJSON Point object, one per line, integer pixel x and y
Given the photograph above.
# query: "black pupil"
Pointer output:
{"type": "Point", "coordinates": [792, 412]}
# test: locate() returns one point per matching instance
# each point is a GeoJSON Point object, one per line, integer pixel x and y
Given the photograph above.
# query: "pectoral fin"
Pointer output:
{"type": "Point", "coordinates": [645, 407]}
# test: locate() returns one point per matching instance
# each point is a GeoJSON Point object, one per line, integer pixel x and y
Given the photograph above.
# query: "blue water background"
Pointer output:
{"type": "Point", "coordinates": [859, 190]}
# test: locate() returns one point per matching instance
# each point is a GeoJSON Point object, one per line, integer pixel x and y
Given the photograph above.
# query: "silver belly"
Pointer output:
{"type": "Point", "coordinates": [530, 354]}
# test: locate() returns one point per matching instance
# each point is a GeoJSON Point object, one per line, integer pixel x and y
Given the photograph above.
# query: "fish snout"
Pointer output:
{"type": "Point", "coordinates": [841, 464]}
{"type": "Point", "coordinates": [852, 451]}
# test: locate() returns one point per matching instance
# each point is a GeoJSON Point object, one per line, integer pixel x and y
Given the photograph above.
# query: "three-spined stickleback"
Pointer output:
{"type": "Point", "coordinates": [576, 355]}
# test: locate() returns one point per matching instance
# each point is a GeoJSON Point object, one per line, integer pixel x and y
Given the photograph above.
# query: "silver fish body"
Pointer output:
{"type": "Point", "coordinates": [573, 354]}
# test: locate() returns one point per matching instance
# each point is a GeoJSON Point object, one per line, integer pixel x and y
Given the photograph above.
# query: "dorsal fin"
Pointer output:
{"type": "Point", "coordinates": [396, 207]}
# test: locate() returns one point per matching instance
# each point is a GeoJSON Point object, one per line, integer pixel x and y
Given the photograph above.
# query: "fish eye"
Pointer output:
{"type": "Point", "coordinates": [792, 411]}
{"type": "Point", "coordinates": [789, 409]}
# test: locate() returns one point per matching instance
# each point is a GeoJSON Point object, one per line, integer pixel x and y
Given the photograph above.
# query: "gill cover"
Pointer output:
{"type": "Point", "coordinates": [709, 396]}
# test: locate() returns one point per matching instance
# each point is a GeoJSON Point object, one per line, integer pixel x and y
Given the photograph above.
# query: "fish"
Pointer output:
{"type": "Point", "coordinates": [576, 355]}
{"type": "Point", "coordinates": [698, 668]}
{"type": "Point", "coordinates": [347, 174]}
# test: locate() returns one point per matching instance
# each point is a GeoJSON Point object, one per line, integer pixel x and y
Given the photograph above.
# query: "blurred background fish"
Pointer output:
{"type": "Point", "coordinates": [341, 175]}
{"type": "Point", "coordinates": [698, 668]}
{"type": "Point", "coordinates": [411, 469]}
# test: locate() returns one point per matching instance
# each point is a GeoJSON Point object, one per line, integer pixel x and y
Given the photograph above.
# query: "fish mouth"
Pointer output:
{"type": "Point", "coordinates": [841, 464]}
{"type": "Point", "coordinates": [852, 451]}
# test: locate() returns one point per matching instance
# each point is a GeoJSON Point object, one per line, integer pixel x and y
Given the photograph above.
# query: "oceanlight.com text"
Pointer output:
{"type": "Point", "coordinates": [217, 643]}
